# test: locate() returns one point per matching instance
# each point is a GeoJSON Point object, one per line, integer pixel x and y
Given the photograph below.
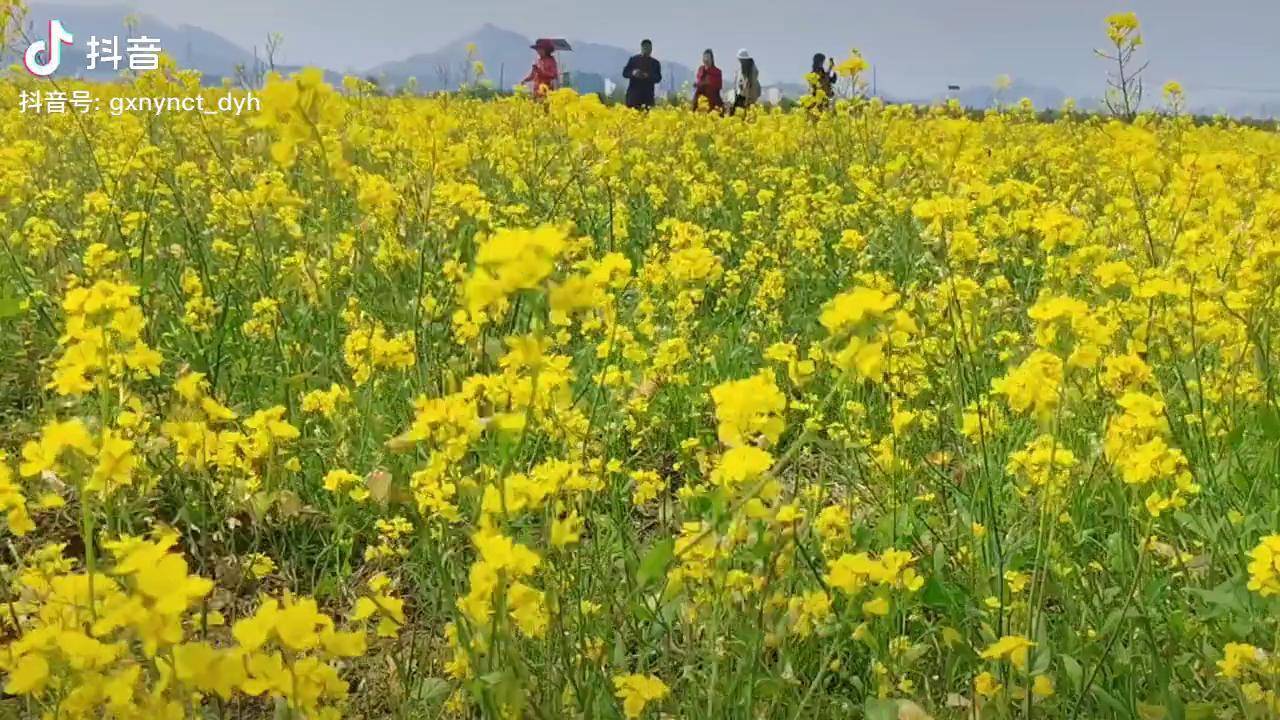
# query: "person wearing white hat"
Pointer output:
{"type": "Point", "coordinates": [748, 90]}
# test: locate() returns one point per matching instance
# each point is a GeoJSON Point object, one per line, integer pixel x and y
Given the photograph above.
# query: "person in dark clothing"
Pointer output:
{"type": "Point", "coordinates": [644, 72]}
{"type": "Point", "coordinates": [822, 77]}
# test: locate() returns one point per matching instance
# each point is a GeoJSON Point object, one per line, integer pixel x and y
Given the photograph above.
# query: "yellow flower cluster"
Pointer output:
{"type": "Point", "coordinates": [1264, 567]}
{"type": "Point", "coordinates": [637, 691]}
{"type": "Point", "coordinates": [123, 642]}
{"type": "Point", "coordinates": [103, 340]}
{"type": "Point", "coordinates": [1123, 28]}
{"type": "Point", "coordinates": [510, 261]}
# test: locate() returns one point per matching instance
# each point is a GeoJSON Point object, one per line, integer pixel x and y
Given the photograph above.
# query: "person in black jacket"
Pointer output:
{"type": "Point", "coordinates": [822, 83]}
{"type": "Point", "coordinates": [644, 72]}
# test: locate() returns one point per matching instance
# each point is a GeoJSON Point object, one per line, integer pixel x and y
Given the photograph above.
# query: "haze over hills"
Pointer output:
{"type": "Point", "coordinates": [506, 57]}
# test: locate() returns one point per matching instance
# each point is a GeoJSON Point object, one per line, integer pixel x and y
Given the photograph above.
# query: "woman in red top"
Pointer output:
{"type": "Point", "coordinates": [545, 74]}
{"type": "Point", "coordinates": [708, 84]}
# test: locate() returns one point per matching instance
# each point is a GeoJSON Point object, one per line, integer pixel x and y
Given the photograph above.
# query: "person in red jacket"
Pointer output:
{"type": "Point", "coordinates": [545, 74]}
{"type": "Point", "coordinates": [708, 83]}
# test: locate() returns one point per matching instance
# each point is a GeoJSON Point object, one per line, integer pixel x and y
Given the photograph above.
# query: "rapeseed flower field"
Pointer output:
{"type": "Point", "coordinates": [403, 407]}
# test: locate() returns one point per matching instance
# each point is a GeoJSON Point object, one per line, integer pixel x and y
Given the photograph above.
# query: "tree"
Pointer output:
{"type": "Point", "coordinates": [12, 14]}
{"type": "Point", "coordinates": [253, 77]}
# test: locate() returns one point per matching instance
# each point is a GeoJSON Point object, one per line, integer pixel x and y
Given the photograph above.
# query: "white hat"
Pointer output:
{"type": "Point", "coordinates": [743, 54]}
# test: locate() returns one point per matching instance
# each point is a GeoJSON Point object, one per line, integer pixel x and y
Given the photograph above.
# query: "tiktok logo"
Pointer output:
{"type": "Point", "coordinates": [51, 48]}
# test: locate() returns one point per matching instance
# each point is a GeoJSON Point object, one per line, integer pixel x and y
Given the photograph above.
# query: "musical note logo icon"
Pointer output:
{"type": "Point", "coordinates": [52, 49]}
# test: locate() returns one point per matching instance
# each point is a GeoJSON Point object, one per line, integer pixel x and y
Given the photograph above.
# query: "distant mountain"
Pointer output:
{"type": "Point", "coordinates": [982, 97]}
{"type": "Point", "coordinates": [507, 58]}
{"type": "Point", "coordinates": [503, 53]}
{"type": "Point", "coordinates": [192, 47]}
{"type": "Point", "coordinates": [1050, 98]}
{"type": "Point", "coordinates": [1254, 109]}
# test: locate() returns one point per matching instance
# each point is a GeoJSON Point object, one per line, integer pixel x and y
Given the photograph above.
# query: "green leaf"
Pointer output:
{"type": "Point", "coordinates": [619, 650]}
{"type": "Point", "coordinates": [1152, 712]}
{"type": "Point", "coordinates": [937, 594]}
{"type": "Point", "coordinates": [1110, 701]}
{"type": "Point", "coordinates": [767, 688]}
{"type": "Point", "coordinates": [1041, 664]}
{"type": "Point", "coordinates": [1236, 435]}
{"type": "Point", "coordinates": [494, 349]}
{"type": "Point", "coordinates": [1200, 711]}
{"type": "Point", "coordinates": [655, 561]}
{"type": "Point", "coordinates": [1074, 672]}
{"type": "Point", "coordinates": [10, 307]}
{"type": "Point", "coordinates": [430, 690]}
{"type": "Point", "coordinates": [878, 709]}
{"type": "Point", "coordinates": [1269, 421]}
{"type": "Point", "coordinates": [1219, 598]}
{"type": "Point", "coordinates": [940, 559]}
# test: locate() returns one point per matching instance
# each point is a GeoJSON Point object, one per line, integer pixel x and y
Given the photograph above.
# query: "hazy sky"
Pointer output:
{"type": "Point", "coordinates": [917, 46]}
